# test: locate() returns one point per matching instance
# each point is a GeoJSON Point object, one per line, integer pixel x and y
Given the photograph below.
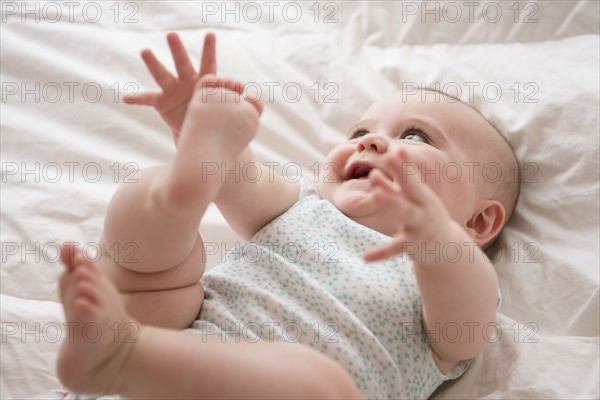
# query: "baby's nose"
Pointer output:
{"type": "Point", "coordinates": [372, 142]}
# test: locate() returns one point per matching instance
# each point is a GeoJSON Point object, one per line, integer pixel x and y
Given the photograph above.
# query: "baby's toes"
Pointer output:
{"type": "Point", "coordinates": [88, 290]}
{"type": "Point", "coordinates": [79, 292]}
{"type": "Point", "coordinates": [83, 309]}
{"type": "Point", "coordinates": [67, 255]}
{"type": "Point", "coordinates": [84, 273]}
{"type": "Point", "coordinates": [63, 283]}
{"type": "Point", "coordinates": [208, 80]}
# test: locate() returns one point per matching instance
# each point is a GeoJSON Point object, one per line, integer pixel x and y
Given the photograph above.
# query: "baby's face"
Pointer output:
{"type": "Point", "coordinates": [447, 141]}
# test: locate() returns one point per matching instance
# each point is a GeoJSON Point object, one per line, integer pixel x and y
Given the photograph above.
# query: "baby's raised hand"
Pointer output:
{"type": "Point", "coordinates": [424, 217]}
{"type": "Point", "coordinates": [173, 100]}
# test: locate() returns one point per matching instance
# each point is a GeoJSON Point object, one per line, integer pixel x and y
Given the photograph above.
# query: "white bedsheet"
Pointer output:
{"type": "Point", "coordinates": [67, 139]}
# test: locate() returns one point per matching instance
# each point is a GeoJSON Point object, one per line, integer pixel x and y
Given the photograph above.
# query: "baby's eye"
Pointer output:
{"type": "Point", "coordinates": [415, 134]}
{"type": "Point", "coordinates": [356, 133]}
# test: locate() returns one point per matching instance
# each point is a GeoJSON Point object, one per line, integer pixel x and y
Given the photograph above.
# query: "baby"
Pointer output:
{"type": "Point", "coordinates": [343, 315]}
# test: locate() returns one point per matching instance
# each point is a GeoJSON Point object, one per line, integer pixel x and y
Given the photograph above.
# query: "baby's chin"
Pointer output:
{"type": "Point", "coordinates": [354, 203]}
{"type": "Point", "coordinates": [353, 198]}
{"type": "Point", "coordinates": [361, 207]}
{"type": "Point", "coordinates": [364, 214]}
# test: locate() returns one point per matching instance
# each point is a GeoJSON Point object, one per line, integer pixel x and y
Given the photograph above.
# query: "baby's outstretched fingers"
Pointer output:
{"type": "Point", "coordinates": [409, 179]}
{"type": "Point", "coordinates": [409, 210]}
{"type": "Point", "coordinates": [183, 65]}
{"type": "Point", "coordinates": [208, 61]}
{"type": "Point", "coordinates": [378, 178]}
{"type": "Point", "coordinates": [161, 75]}
{"type": "Point", "coordinates": [142, 99]}
{"type": "Point", "coordinates": [390, 249]}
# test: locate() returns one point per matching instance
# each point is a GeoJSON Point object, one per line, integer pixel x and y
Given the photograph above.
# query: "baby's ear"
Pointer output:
{"type": "Point", "coordinates": [487, 222]}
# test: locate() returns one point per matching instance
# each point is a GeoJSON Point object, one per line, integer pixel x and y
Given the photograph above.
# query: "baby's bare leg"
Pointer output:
{"type": "Point", "coordinates": [150, 244]}
{"type": "Point", "coordinates": [206, 368]}
{"type": "Point", "coordinates": [158, 363]}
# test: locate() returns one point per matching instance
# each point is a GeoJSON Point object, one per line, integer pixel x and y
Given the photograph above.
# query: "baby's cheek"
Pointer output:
{"type": "Point", "coordinates": [323, 190]}
{"type": "Point", "coordinates": [331, 173]}
{"type": "Point", "coordinates": [459, 196]}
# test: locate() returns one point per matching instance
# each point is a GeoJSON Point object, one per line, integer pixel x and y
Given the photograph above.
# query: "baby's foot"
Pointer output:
{"type": "Point", "coordinates": [219, 124]}
{"type": "Point", "coordinates": [219, 119]}
{"type": "Point", "coordinates": [100, 333]}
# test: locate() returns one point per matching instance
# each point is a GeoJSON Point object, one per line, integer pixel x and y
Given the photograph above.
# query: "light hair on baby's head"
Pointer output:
{"type": "Point", "coordinates": [507, 187]}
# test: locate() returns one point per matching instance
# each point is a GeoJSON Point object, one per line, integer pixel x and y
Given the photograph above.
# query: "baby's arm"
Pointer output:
{"type": "Point", "coordinates": [246, 204]}
{"type": "Point", "coordinates": [250, 201]}
{"type": "Point", "coordinates": [458, 294]}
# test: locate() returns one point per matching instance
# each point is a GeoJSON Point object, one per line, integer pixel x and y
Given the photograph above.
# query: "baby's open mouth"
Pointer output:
{"type": "Point", "coordinates": [361, 170]}
{"type": "Point", "coordinates": [358, 170]}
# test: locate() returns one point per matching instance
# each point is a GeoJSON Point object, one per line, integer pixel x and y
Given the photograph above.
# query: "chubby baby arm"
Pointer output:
{"type": "Point", "coordinates": [459, 288]}
{"type": "Point", "coordinates": [250, 201]}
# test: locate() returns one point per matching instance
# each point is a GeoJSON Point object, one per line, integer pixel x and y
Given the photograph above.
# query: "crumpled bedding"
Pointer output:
{"type": "Point", "coordinates": [68, 140]}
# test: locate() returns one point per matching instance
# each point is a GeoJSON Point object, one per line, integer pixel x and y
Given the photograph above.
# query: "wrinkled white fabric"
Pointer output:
{"type": "Point", "coordinates": [546, 65]}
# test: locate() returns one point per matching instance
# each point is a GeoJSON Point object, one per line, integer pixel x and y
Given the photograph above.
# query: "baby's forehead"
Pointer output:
{"type": "Point", "coordinates": [426, 102]}
{"type": "Point", "coordinates": [446, 113]}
